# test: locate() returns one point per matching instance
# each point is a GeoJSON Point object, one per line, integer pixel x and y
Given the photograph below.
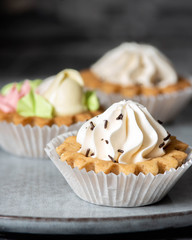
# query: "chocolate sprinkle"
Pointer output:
{"type": "Point", "coordinates": [112, 159]}
{"type": "Point", "coordinates": [107, 141]}
{"type": "Point", "coordinates": [161, 145]}
{"type": "Point", "coordinates": [105, 124]}
{"type": "Point", "coordinates": [92, 125]}
{"type": "Point", "coordinates": [102, 139]}
{"type": "Point", "coordinates": [120, 117]}
{"type": "Point", "coordinates": [92, 154]}
{"type": "Point", "coordinates": [87, 153]}
{"type": "Point", "coordinates": [168, 136]}
{"type": "Point", "coordinates": [121, 151]}
{"type": "Point", "coordinates": [160, 122]}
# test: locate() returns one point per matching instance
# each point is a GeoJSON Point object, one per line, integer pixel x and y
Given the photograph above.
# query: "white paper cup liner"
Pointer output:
{"type": "Point", "coordinates": [163, 106]}
{"type": "Point", "coordinates": [28, 141]}
{"type": "Point", "coordinates": [116, 190]}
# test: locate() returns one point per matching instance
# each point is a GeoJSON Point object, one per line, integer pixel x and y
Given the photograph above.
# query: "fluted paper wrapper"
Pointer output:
{"type": "Point", "coordinates": [163, 106]}
{"type": "Point", "coordinates": [116, 190]}
{"type": "Point", "coordinates": [28, 141]}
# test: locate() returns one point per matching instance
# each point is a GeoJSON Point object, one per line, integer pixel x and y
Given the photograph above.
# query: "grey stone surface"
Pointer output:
{"type": "Point", "coordinates": [35, 198]}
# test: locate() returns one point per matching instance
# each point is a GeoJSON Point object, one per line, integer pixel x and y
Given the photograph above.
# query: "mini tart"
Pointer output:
{"type": "Point", "coordinates": [94, 82]}
{"type": "Point", "coordinates": [38, 121]}
{"type": "Point", "coordinates": [174, 157]}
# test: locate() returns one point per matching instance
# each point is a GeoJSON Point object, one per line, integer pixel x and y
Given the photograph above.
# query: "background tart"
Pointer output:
{"type": "Point", "coordinates": [38, 121]}
{"type": "Point", "coordinates": [94, 82]}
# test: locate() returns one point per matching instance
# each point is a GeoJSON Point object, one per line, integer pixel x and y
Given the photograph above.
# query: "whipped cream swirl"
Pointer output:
{"type": "Point", "coordinates": [132, 63]}
{"type": "Point", "coordinates": [125, 133]}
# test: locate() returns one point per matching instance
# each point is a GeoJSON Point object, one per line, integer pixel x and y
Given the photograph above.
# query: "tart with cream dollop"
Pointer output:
{"type": "Point", "coordinates": [59, 100]}
{"type": "Point", "coordinates": [125, 138]}
{"type": "Point", "coordinates": [121, 158]}
{"type": "Point", "coordinates": [139, 72]}
{"type": "Point", "coordinates": [132, 69]}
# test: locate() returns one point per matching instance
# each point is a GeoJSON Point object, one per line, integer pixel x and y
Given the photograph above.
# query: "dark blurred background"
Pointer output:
{"type": "Point", "coordinates": [41, 37]}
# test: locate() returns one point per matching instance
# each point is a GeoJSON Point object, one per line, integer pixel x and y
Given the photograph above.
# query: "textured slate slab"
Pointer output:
{"type": "Point", "coordinates": [35, 198]}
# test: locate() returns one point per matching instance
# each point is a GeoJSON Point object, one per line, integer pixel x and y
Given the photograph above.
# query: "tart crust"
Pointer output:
{"type": "Point", "coordinates": [38, 121]}
{"type": "Point", "coordinates": [94, 82]}
{"type": "Point", "coordinates": [174, 157]}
